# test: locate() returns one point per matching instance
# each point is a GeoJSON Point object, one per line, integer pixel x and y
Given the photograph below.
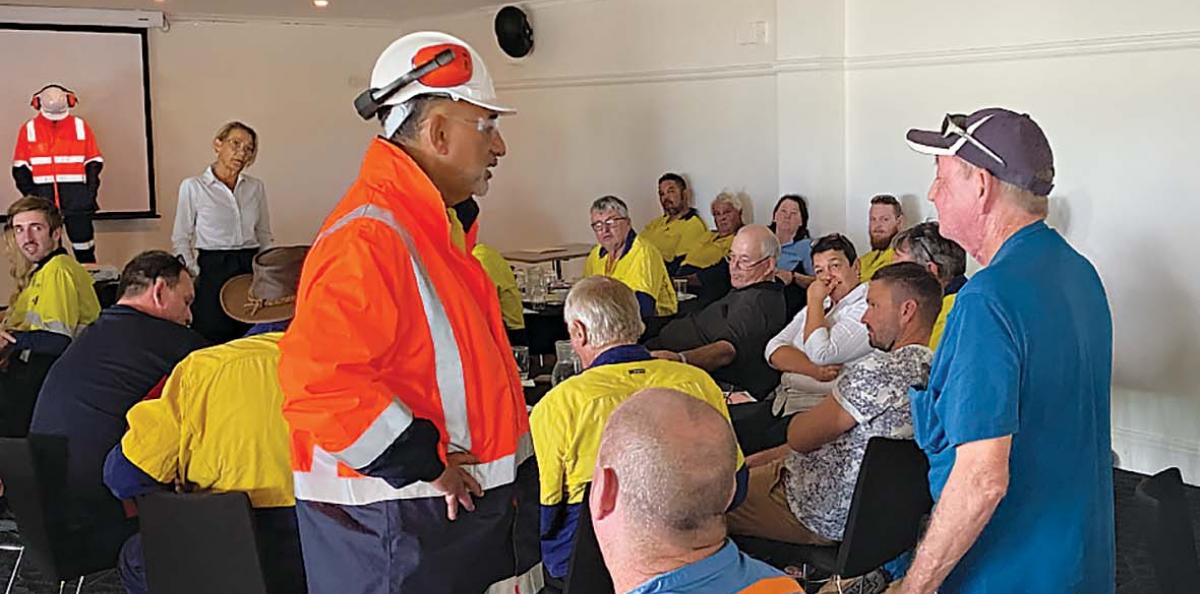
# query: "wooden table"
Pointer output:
{"type": "Point", "coordinates": [557, 255]}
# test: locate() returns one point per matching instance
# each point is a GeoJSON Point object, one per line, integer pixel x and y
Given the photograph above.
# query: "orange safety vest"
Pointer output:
{"type": "Point", "coordinates": [775, 585]}
{"type": "Point", "coordinates": [56, 152]}
{"type": "Point", "coordinates": [393, 323]}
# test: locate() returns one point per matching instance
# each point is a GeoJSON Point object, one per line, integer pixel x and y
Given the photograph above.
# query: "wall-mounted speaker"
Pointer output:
{"type": "Point", "coordinates": [513, 32]}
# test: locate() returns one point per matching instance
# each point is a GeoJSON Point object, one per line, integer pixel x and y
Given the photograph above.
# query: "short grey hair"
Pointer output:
{"type": "Point", "coordinates": [607, 203]}
{"type": "Point", "coordinates": [1038, 206]}
{"type": "Point", "coordinates": [675, 458]}
{"type": "Point", "coordinates": [418, 109]}
{"type": "Point", "coordinates": [607, 308]}
{"type": "Point", "coordinates": [728, 198]}
{"type": "Point", "coordinates": [924, 243]}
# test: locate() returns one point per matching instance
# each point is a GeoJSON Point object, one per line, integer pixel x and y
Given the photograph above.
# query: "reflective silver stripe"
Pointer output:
{"type": "Point", "coordinates": [30, 132]}
{"type": "Point", "coordinates": [40, 160]}
{"type": "Point", "coordinates": [66, 159]}
{"type": "Point", "coordinates": [20, 163]}
{"type": "Point", "coordinates": [43, 179]}
{"type": "Point", "coordinates": [324, 485]}
{"type": "Point", "coordinates": [96, 159]}
{"type": "Point", "coordinates": [380, 434]}
{"type": "Point", "coordinates": [447, 359]}
{"type": "Point", "coordinates": [87, 245]}
{"type": "Point", "coordinates": [70, 178]}
{"type": "Point", "coordinates": [79, 133]}
{"type": "Point", "coordinates": [35, 322]}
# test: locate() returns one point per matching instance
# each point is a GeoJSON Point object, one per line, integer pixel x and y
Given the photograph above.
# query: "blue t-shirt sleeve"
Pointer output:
{"type": "Point", "coordinates": [980, 398]}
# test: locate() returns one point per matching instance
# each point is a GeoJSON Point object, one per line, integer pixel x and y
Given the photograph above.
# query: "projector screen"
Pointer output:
{"type": "Point", "coordinates": [107, 69]}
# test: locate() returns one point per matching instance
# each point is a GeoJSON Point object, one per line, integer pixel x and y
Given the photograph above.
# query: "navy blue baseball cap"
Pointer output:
{"type": "Point", "coordinates": [1008, 144]}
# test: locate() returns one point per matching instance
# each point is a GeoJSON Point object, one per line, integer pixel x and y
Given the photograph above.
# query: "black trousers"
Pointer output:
{"type": "Point", "coordinates": [216, 267]}
{"type": "Point", "coordinates": [20, 383]}
{"type": "Point", "coordinates": [82, 236]}
{"type": "Point", "coordinates": [756, 428]}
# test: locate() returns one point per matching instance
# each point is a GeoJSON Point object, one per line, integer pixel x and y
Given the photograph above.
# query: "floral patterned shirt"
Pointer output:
{"type": "Point", "coordinates": [873, 390]}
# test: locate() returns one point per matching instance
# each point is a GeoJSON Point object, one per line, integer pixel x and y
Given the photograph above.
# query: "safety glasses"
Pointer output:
{"type": "Point", "coordinates": [953, 124]}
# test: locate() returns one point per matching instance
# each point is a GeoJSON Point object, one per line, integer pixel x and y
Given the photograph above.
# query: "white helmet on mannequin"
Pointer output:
{"type": "Point", "coordinates": [434, 64]}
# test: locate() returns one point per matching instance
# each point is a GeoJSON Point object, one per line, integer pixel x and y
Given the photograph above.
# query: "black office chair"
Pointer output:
{"type": "Point", "coordinates": [196, 543]}
{"type": "Point", "coordinates": [586, 572]}
{"type": "Point", "coordinates": [1162, 511]}
{"type": "Point", "coordinates": [34, 473]}
{"type": "Point", "coordinates": [890, 504]}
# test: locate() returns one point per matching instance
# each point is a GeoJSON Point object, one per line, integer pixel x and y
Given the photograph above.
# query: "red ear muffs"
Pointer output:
{"type": "Point", "coordinates": [36, 101]}
{"type": "Point", "coordinates": [457, 72]}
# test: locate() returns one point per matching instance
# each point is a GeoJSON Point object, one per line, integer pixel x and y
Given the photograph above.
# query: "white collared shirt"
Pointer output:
{"type": "Point", "coordinates": [211, 217]}
{"type": "Point", "coordinates": [841, 340]}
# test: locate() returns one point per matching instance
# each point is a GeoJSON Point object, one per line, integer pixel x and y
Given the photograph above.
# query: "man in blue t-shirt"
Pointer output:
{"type": "Point", "coordinates": [1015, 419]}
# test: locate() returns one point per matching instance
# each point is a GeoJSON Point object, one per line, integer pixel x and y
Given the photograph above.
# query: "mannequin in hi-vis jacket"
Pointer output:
{"type": "Point", "coordinates": [57, 158]}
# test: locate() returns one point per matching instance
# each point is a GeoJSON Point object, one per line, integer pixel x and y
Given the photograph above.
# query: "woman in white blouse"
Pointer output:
{"type": "Point", "coordinates": [220, 224]}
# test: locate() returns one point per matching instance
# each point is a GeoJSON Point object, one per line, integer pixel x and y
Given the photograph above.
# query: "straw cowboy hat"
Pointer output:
{"type": "Point", "coordinates": [269, 293]}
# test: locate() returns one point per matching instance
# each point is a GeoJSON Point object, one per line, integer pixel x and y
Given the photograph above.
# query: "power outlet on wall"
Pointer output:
{"type": "Point", "coordinates": [752, 33]}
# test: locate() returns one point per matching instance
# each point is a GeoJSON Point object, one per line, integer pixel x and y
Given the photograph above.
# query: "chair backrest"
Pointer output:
{"type": "Point", "coordinates": [891, 501]}
{"type": "Point", "coordinates": [1162, 511]}
{"type": "Point", "coordinates": [586, 572]}
{"type": "Point", "coordinates": [199, 543]}
{"type": "Point", "coordinates": [34, 472]}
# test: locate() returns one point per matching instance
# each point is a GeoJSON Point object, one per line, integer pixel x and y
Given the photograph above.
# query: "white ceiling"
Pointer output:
{"type": "Point", "coordinates": [357, 10]}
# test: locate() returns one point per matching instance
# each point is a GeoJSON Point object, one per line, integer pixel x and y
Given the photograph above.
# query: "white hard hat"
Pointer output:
{"type": "Point", "coordinates": [465, 78]}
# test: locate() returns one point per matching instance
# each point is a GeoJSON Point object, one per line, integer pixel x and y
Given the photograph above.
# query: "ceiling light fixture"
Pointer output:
{"type": "Point", "coordinates": [320, 3]}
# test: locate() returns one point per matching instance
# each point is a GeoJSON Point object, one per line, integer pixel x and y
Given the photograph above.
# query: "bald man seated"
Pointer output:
{"type": "Point", "coordinates": [727, 338]}
{"type": "Point", "coordinates": [663, 479]}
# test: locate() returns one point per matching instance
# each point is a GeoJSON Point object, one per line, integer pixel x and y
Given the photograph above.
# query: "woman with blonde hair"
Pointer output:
{"type": "Point", "coordinates": [221, 222]}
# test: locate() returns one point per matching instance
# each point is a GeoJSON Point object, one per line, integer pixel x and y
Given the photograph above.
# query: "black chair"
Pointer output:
{"type": "Point", "coordinates": [1162, 511]}
{"type": "Point", "coordinates": [890, 504]}
{"type": "Point", "coordinates": [586, 572]}
{"type": "Point", "coordinates": [196, 543]}
{"type": "Point", "coordinates": [34, 473]}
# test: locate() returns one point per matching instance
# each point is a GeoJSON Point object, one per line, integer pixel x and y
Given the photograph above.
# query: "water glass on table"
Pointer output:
{"type": "Point", "coordinates": [681, 286]}
{"type": "Point", "coordinates": [521, 354]}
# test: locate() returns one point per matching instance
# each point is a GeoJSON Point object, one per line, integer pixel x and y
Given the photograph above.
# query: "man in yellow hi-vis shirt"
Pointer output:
{"type": "Point", "coordinates": [625, 256]}
{"type": "Point", "coordinates": [53, 303]}
{"type": "Point", "coordinates": [604, 325]}
{"type": "Point", "coordinates": [680, 229]}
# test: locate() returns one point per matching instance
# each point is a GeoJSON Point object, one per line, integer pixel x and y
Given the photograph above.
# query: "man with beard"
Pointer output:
{"type": "Point", "coordinates": [887, 218]}
{"type": "Point", "coordinates": [680, 229]}
{"type": "Point", "coordinates": [801, 492]}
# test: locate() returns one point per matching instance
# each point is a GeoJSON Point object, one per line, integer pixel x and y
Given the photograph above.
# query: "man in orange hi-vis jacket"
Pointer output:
{"type": "Point", "coordinates": [407, 415]}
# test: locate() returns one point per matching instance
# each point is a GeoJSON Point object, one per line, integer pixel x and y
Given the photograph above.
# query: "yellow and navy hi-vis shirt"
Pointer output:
{"type": "Point", "coordinates": [674, 238]}
{"type": "Point", "coordinates": [641, 269]}
{"type": "Point", "coordinates": [60, 298]}
{"type": "Point", "coordinates": [219, 424]}
{"type": "Point", "coordinates": [708, 252]}
{"type": "Point", "coordinates": [872, 261]}
{"type": "Point", "coordinates": [499, 270]}
{"type": "Point", "coordinates": [567, 422]}
{"type": "Point", "coordinates": [952, 289]}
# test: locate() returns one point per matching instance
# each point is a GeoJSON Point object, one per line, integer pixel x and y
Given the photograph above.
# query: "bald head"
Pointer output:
{"type": "Point", "coordinates": [753, 255]}
{"type": "Point", "coordinates": [674, 458]}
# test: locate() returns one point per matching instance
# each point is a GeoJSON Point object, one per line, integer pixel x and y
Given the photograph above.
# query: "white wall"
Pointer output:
{"type": "Point", "coordinates": [616, 93]}
{"type": "Point", "coordinates": [1114, 86]}
{"type": "Point", "coordinates": [619, 91]}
